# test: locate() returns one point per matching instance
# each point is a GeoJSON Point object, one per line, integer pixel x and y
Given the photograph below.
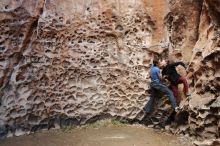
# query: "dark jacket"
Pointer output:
{"type": "Point", "coordinates": [170, 71]}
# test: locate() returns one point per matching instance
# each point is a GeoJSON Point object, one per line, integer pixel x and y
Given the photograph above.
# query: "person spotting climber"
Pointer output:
{"type": "Point", "coordinates": [169, 72]}
{"type": "Point", "coordinates": [155, 86]}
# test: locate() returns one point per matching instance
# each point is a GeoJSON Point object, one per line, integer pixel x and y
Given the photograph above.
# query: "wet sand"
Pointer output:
{"type": "Point", "coordinates": [111, 135]}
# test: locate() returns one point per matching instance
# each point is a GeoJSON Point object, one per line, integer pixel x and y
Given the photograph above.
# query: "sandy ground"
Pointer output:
{"type": "Point", "coordinates": [111, 135]}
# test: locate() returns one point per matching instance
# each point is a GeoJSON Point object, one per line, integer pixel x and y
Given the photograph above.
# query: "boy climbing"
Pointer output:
{"type": "Point", "coordinates": [169, 72]}
{"type": "Point", "coordinates": [155, 86]}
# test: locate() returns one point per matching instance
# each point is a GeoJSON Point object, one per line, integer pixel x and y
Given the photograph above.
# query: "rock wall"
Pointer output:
{"type": "Point", "coordinates": [204, 73]}
{"type": "Point", "coordinates": [194, 38]}
{"type": "Point", "coordinates": [72, 62]}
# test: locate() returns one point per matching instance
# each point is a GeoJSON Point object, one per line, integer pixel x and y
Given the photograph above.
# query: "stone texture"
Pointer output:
{"type": "Point", "coordinates": [212, 142]}
{"type": "Point", "coordinates": [72, 62]}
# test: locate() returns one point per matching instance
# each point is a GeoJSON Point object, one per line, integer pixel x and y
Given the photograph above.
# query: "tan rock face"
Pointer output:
{"type": "Point", "coordinates": [71, 62]}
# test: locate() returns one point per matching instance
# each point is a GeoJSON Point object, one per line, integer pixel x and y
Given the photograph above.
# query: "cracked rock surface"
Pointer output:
{"type": "Point", "coordinates": [72, 62]}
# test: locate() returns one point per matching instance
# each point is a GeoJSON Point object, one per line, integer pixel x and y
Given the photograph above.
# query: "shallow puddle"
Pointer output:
{"type": "Point", "coordinates": [111, 135]}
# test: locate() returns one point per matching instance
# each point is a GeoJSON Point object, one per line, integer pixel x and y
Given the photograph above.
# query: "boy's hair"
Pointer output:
{"type": "Point", "coordinates": [155, 62]}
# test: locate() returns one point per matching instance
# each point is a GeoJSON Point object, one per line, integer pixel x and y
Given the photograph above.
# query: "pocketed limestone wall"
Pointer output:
{"type": "Point", "coordinates": [71, 62]}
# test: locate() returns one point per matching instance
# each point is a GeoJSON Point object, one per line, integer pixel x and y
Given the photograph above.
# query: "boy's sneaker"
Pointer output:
{"type": "Point", "coordinates": [177, 109]}
{"type": "Point", "coordinates": [188, 94]}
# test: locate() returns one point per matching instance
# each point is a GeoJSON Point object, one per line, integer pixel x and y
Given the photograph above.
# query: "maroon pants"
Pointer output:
{"type": "Point", "coordinates": [174, 88]}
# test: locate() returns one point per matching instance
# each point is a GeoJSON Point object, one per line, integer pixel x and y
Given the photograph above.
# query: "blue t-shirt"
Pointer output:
{"type": "Point", "coordinates": [155, 74]}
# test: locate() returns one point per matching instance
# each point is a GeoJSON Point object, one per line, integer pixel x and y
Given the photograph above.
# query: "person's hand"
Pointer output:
{"type": "Point", "coordinates": [165, 77]}
{"type": "Point", "coordinates": [187, 70]}
{"type": "Point", "coordinates": [185, 66]}
{"type": "Point", "coordinates": [165, 80]}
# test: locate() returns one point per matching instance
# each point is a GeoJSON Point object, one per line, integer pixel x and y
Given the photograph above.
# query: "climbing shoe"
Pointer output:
{"type": "Point", "coordinates": [177, 109]}
{"type": "Point", "coordinates": [188, 94]}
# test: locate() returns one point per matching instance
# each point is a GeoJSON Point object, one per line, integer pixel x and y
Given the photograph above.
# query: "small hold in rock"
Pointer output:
{"type": "Point", "coordinates": [6, 7]}
{"type": "Point", "coordinates": [119, 27]}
